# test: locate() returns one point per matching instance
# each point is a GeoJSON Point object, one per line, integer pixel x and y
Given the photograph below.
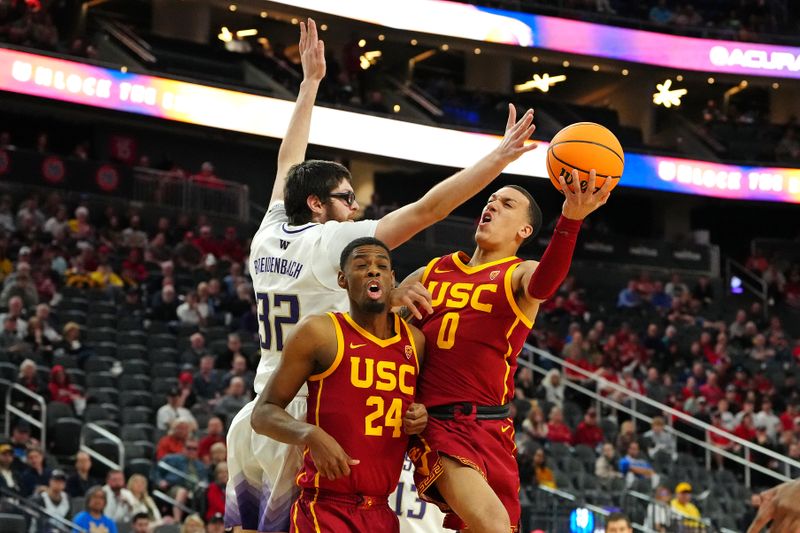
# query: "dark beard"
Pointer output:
{"type": "Point", "coordinates": [373, 306]}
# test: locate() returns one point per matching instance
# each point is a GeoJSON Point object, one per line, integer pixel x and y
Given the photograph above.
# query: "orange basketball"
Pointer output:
{"type": "Point", "coordinates": [584, 146]}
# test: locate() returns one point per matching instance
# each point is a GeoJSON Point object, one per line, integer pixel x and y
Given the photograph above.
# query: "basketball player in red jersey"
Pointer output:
{"type": "Point", "coordinates": [361, 369]}
{"type": "Point", "coordinates": [484, 308]}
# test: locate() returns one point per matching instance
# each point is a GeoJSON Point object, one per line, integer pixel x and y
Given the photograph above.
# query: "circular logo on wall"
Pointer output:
{"type": "Point", "coordinates": [5, 161]}
{"type": "Point", "coordinates": [53, 169]}
{"type": "Point", "coordinates": [107, 178]}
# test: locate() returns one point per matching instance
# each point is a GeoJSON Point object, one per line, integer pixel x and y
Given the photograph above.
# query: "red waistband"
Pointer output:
{"type": "Point", "coordinates": [362, 501]}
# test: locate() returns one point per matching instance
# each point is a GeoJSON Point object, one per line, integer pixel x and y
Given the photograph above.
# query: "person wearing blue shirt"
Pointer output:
{"type": "Point", "coordinates": [634, 467]}
{"type": "Point", "coordinates": [93, 519]}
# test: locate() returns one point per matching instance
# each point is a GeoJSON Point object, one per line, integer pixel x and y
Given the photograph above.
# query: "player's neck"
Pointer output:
{"type": "Point", "coordinates": [482, 256]}
{"type": "Point", "coordinates": [379, 324]}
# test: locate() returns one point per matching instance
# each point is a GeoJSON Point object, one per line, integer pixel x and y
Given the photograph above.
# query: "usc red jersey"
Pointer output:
{"type": "Point", "coordinates": [360, 401]}
{"type": "Point", "coordinates": [474, 334]}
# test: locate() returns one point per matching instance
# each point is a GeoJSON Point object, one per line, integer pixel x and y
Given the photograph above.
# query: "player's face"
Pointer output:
{"type": "Point", "coordinates": [342, 205]}
{"type": "Point", "coordinates": [618, 526]}
{"type": "Point", "coordinates": [504, 219]}
{"type": "Point", "coordinates": [368, 278]}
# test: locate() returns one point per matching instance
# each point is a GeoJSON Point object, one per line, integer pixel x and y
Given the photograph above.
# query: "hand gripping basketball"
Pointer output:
{"type": "Point", "coordinates": [582, 201]}
{"type": "Point", "coordinates": [583, 146]}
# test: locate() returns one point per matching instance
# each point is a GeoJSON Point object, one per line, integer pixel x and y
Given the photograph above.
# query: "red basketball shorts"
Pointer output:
{"type": "Point", "coordinates": [485, 445]}
{"type": "Point", "coordinates": [331, 512]}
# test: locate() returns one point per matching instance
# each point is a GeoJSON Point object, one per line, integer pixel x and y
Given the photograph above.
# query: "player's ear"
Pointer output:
{"type": "Point", "coordinates": [394, 283]}
{"type": "Point", "coordinates": [525, 232]}
{"type": "Point", "coordinates": [315, 205]}
{"type": "Point", "coordinates": [341, 280]}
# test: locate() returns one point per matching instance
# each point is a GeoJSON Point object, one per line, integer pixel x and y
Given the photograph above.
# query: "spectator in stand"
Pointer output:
{"type": "Point", "coordinates": [207, 178]}
{"type": "Point", "coordinates": [553, 387]}
{"type": "Point", "coordinates": [187, 255]}
{"type": "Point", "coordinates": [544, 475]}
{"type": "Point", "coordinates": [676, 288]}
{"type": "Point", "coordinates": [21, 285]}
{"type": "Point", "coordinates": [36, 477]}
{"type": "Point", "coordinates": [605, 468]}
{"type": "Point", "coordinates": [658, 440]}
{"type": "Point", "coordinates": [629, 297]}
{"type": "Point", "coordinates": [215, 432]}
{"type": "Point", "coordinates": [9, 476]}
{"type": "Point", "coordinates": [29, 378]}
{"type": "Point", "coordinates": [206, 242]}
{"type": "Point", "coordinates": [703, 291]}
{"type": "Point", "coordinates": [230, 248]}
{"type": "Point", "coordinates": [635, 467]}
{"type": "Point", "coordinates": [192, 311]}
{"type": "Point", "coordinates": [133, 263]}
{"type": "Point", "coordinates": [224, 360]}
{"type": "Point", "coordinates": [57, 226]}
{"type": "Point", "coordinates": [588, 432]}
{"type": "Point", "coordinates": [54, 501]}
{"type": "Point", "coordinates": [82, 480]}
{"type": "Point", "coordinates": [133, 236]}
{"type": "Point", "coordinates": [535, 425]}
{"type": "Point", "coordinates": [207, 381]}
{"type": "Point", "coordinates": [726, 417]}
{"type": "Point", "coordinates": [682, 503]}
{"type": "Point", "coordinates": [232, 401]}
{"type": "Point", "coordinates": [215, 494]}
{"type": "Point", "coordinates": [165, 308]}
{"type": "Point", "coordinates": [105, 278]}
{"type": "Point", "coordinates": [196, 350]}
{"type": "Point", "coordinates": [192, 472]}
{"type": "Point", "coordinates": [62, 390]}
{"type": "Point", "coordinates": [659, 516]}
{"type": "Point", "coordinates": [132, 306]}
{"type": "Point", "coordinates": [711, 390]}
{"type": "Point", "coordinates": [239, 369]}
{"type": "Point", "coordinates": [80, 227]}
{"type": "Point", "coordinates": [173, 410]}
{"type": "Point", "coordinates": [626, 435]}
{"type": "Point", "coordinates": [16, 312]}
{"type": "Point", "coordinates": [157, 249]}
{"type": "Point", "coordinates": [654, 387]}
{"type": "Point", "coordinates": [557, 430]}
{"type": "Point", "coordinates": [142, 502]}
{"type": "Point", "coordinates": [756, 262]}
{"type": "Point", "coordinates": [791, 291]}
{"type": "Point", "coordinates": [38, 341]}
{"type": "Point", "coordinates": [659, 299]}
{"type": "Point", "coordinates": [736, 330]}
{"type": "Point", "coordinates": [93, 518]}
{"type": "Point", "coordinates": [241, 303]}
{"type": "Point", "coordinates": [175, 440]}
{"type": "Point", "coordinates": [746, 429]}
{"type": "Point", "coordinates": [77, 276]}
{"type": "Point", "coordinates": [10, 341]}
{"type": "Point", "coordinates": [217, 454]}
{"type": "Point", "coordinates": [140, 523]}
{"type": "Point", "coordinates": [186, 388]}
{"type": "Point", "coordinates": [760, 351]}
{"type": "Point", "coordinates": [216, 524]}
{"type": "Point", "coordinates": [767, 418]}
{"type": "Point", "coordinates": [72, 345]}
{"type": "Point", "coordinates": [789, 416]}
{"type": "Point", "coordinates": [193, 524]}
{"type": "Point", "coordinates": [119, 500]}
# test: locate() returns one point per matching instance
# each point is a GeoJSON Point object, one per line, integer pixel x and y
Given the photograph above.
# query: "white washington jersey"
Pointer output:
{"type": "Point", "coordinates": [294, 271]}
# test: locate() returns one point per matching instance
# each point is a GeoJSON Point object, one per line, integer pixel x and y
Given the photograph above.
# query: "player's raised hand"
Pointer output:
{"type": "Point", "coordinates": [579, 203]}
{"type": "Point", "coordinates": [517, 133]}
{"type": "Point", "coordinates": [779, 504]}
{"type": "Point", "coordinates": [416, 419]}
{"type": "Point", "coordinates": [312, 52]}
{"type": "Point", "coordinates": [413, 296]}
{"type": "Point", "coordinates": [329, 457]}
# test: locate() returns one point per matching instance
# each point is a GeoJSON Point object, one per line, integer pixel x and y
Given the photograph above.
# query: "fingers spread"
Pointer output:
{"type": "Point", "coordinates": [512, 116]}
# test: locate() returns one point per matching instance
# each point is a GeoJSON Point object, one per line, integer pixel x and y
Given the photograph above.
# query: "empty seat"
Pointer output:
{"type": "Point", "coordinates": [105, 349]}
{"type": "Point", "coordinates": [74, 315]}
{"type": "Point", "coordinates": [57, 410]}
{"type": "Point", "coordinates": [132, 432]}
{"type": "Point", "coordinates": [98, 363]}
{"type": "Point", "coordinates": [13, 523]}
{"type": "Point", "coordinates": [96, 335]}
{"type": "Point", "coordinates": [100, 379]}
{"type": "Point", "coordinates": [164, 370]}
{"type": "Point", "coordinates": [95, 412]}
{"type": "Point", "coordinates": [137, 415]}
{"type": "Point", "coordinates": [130, 324]}
{"type": "Point", "coordinates": [65, 437]}
{"type": "Point", "coordinates": [102, 395]}
{"type": "Point", "coordinates": [138, 465]}
{"type": "Point", "coordinates": [127, 337]}
{"type": "Point", "coordinates": [109, 425]}
{"type": "Point", "coordinates": [102, 320]}
{"type": "Point", "coordinates": [162, 355]}
{"type": "Point", "coordinates": [135, 366]}
{"type": "Point", "coordinates": [134, 382]}
{"type": "Point", "coordinates": [163, 385]}
{"type": "Point", "coordinates": [161, 340]}
{"type": "Point", "coordinates": [132, 398]}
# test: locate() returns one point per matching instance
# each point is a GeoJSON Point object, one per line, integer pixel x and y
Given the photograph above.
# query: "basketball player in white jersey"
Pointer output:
{"type": "Point", "coordinates": [294, 262]}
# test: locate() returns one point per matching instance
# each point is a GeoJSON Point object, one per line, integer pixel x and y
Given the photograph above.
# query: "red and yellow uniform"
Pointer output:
{"type": "Point", "coordinates": [472, 339]}
{"type": "Point", "coordinates": [360, 401]}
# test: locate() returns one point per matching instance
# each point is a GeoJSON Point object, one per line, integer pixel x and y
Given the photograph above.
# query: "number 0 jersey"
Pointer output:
{"type": "Point", "coordinates": [294, 270]}
{"type": "Point", "coordinates": [474, 334]}
{"type": "Point", "coordinates": [360, 401]}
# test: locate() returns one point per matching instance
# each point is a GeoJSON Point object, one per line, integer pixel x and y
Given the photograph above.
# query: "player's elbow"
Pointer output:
{"type": "Point", "coordinates": [260, 418]}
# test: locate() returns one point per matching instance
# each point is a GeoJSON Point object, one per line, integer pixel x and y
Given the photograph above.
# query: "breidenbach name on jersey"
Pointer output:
{"type": "Point", "coordinates": [277, 265]}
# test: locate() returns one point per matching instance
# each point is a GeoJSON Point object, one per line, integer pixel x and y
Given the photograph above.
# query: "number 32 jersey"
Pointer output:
{"type": "Point", "coordinates": [294, 270]}
{"type": "Point", "coordinates": [474, 334]}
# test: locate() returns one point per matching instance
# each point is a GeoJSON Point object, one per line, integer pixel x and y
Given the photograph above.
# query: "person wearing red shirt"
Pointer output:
{"type": "Point", "coordinates": [206, 242]}
{"type": "Point", "coordinates": [588, 432]}
{"type": "Point", "coordinates": [788, 417]}
{"type": "Point", "coordinates": [557, 430]}
{"type": "Point", "coordinates": [711, 391]}
{"type": "Point", "coordinates": [230, 247]}
{"type": "Point", "coordinates": [215, 495]}
{"type": "Point", "coordinates": [207, 178]}
{"type": "Point", "coordinates": [214, 434]}
{"type": "Point", "coordinates": [574, 305]}
{"type": "Point", "coordinates": [746, 430]}
{"type": "Point", "coordinates": [134, 264]}
{"type": "Point", "coordinates": [61, 388]}
{"type": "Point", "coordinates": [175, 440]}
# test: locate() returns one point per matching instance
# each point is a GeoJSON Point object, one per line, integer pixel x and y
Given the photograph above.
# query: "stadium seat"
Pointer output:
{"type": "Point", "coordinates": [127, 336]}
{"type": "Point", "coordinates": [105, 447]}
{"type": "Point", "coordinates": [95, 412]}
{"type": "Point", "coordinates": [157, 400]}
{"type": "Point", "coordinates": [558, 450]}
{"type": "Point", "coordinates": [134, 398]}
{"type": "Point", "coordinates": [134, 382]}
{"type": "Point", "coordinates": [186, 330]}
{"type": "Point", "coordinates": [112, 409]}
{"type": "Point", "coordinates": [78, 504]}
{"type": "Point", "coordinates": [135, 366]}
{"type": "Point", "coordinates": [105, 349]}
{"type": "Point", "coordinates": [109, 425]}
{"type": "Point", "coordinates": [586, 455]}
{"type": "Point", "coordinates": [73, 303]}
{"type": "Point", "coordinates": [13, 523]}
{"type": "Point", "coordinates": [100, 379]}
{"type": "Point", "coordinates": [96, 335]}
{"type": "Point", "coordinates": [65, 360]}
{"type": "Point", "coordinates": [98, 363]}
{"type": "Point", "coordinates": [161, 355]}
{"type": "Point", "coordinates": [142, 431]}
{"type": "Point", "coordinates": [156, 327]}
{"type": "Point", "coordinates": [57, 410]}
{"type": "Point", "coordinates": [132, 432]}
{"type": "Point", "coordinates": [148, 446]}
{"type": "Point", "coordinates": [65, 437]}
{"type": "Point", "coordinates": [102, 395]}
{"type": "Point", "coordinates": [164, 370]}
{"type": "Point", "coordinates": [102, 320]}
{"type": "Point", "coordinates": [137, 415]}
{"type": "Point", "coordinates": [162, 385]}
{"type": "Point", "coordinates": [130, 324]}
{"type": "Point", "coordinates": [161, 340]}
{"type": "Point", "coordinates": [167, 528]}
{"type": "Point", "coordinates": [8, 371]}
{"type": "Point", "coordinates": [138, 466]}
{"type": "Point", "coordinates": [74, 315]}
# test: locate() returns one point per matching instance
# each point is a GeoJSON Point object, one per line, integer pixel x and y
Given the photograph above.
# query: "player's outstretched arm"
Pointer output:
{"type": "Point", "coordinates": [398, 226]}
{"type": "Point", "coordinates": [309, 350]}
{"type": "Point", "coordinates": [294, 144]}
{"type": "Point", "coordinates": [780, 505]}
{"type": "Point", "coordinates": [543, 280]}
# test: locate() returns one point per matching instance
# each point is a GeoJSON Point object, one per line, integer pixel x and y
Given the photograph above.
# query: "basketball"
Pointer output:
{"type": "Point", "coordinates": [584, 146]}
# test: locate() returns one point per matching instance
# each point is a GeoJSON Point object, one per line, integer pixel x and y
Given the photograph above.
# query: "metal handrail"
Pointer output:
{"type": "Point", "coordinates": [97, 455]}
{"type": "Point", "coordinates": [172, 501]}
{"type": "Point", "coordinates": [192, 479]}
{"type": "Point", "coordinates": [693, 440]}
{"type": "Point", "coordinates": [641, 496]}
{"type": "Point", "coordinates": [752, 282]}
{"type": "Point", "coordinates": [41, 423]}
{"type": "Point", "coordinates": [749, 446]}
{"type": "Point", "coordinates": [31, 508]}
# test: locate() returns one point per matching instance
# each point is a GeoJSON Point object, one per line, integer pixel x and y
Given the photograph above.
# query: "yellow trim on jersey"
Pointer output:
{"type": "Point", "coordinates": [473, 269]}
{"type": "Point", "coordinates": [411, 340]}
{"type": "Point", "coordinates": [339, 353]}
{"type": "Point", "coordinates": [512, 301]}
{"type": "Point", "coordinates": [505, 360]}
{"type": "Point", "coordinates": [383, 343]}
{"type": "Point", "coordinates": [294, 513]}
{"type": "Point", "coordinates": [314, 513]}
{"type": "Point", "coordinates": [427, 270]}
{"type": "Point", "coordinates": [302, 472]}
